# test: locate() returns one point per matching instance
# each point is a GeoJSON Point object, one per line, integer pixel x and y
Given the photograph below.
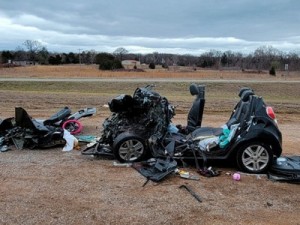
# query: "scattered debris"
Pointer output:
{"type": "Point", "coordinates": [26, 132]}
{"type": "Point", "coordinates": [209, 172]}
{"type": "Point", "coordinates": [285, 169]}
{"type": "Point", "coordinates": [3, 148]}
{"type": "Point", "coordinates": [86, 138]}
{"type": "Point", "coordinates": [122, 164]}
{"type": "Point", "coordinates": [186, 175]}
{"type": "Point", "coordinates": [156, 169]}
{"type": "Point", "coordinates": [197, 197]}
{"type": "Point", "coordinates": [236, 176]}
{"type": "Point", "coordinates": [68, 121]}
{"type": "Point", "coordinates": [71, 141]}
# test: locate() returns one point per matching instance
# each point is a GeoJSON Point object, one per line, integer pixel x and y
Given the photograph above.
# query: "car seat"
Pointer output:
{"type": "Point", "coordinates": [238, 116]}
{"type": "Point", "coordinates": [241, 108]}
{"type": "Point", "coordinates": [25, 121]}
{"type": "Point", "coordinates": [62, 114]}
{"type": "Point", "coordinates": [195, 114]}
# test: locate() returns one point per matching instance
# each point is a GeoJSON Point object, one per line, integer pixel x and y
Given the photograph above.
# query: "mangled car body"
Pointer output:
{"type": "Point", "coordinates": [133, 121]}
{"type": "Point", "coordinates": [26, 132]}
{"type": "Point", "coordinates": [140, 125]}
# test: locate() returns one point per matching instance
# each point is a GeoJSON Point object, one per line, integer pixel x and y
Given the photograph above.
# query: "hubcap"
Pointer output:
{"type": "Point", "coordinates": [255, 158]}
{"type": "Point", "coordinates": [131, 150]}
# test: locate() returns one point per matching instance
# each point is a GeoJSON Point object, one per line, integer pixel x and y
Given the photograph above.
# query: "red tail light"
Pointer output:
{"type": "Point", "coordinates": [271, 112]}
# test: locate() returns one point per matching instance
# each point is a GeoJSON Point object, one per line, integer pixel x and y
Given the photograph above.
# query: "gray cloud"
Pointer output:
{"type": "Point", "coordinates": [174, 26]}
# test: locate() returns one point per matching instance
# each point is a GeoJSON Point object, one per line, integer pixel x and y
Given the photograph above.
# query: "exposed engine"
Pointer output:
{"type": "Point", "coordinates": [146, 114]}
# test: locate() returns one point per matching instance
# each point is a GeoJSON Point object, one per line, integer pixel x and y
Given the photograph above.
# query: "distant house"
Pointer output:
{"type": "Point", "coordinates": [131, 64]}
{"type": "Point", "coordinates": [23, 62]}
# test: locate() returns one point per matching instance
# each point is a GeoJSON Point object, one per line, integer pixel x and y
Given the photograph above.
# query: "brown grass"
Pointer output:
{"type": "Point", "coordinates": [92, 71]}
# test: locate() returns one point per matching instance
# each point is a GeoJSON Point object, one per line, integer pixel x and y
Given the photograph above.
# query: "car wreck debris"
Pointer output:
{"type": "Point", "coordinates": [156, 169]}
{"type": "Point", "coordinates": [186, 175]}
{"type": "Point", "coordinates": [197, 197]}
{"type": "Point", "coordinates": [71, 141]}
{"type": "Point", "coordinates": [26, 132]}
{"type": "Point", "coordinates": [68, 121]}
{"type": "Point", "coordinates": [134, 120]}
{"type": "Point", "coordinates": [285, 169]}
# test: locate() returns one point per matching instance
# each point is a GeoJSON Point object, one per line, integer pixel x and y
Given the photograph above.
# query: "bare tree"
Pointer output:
{"type": "Point", "coordinates": [265, 56]}
{"type": "Point", "coordinates": [92, 56]}
{"type": "Point", "coordinates": [33, 47]}
{"type": "Point", "coordinates": [156, 57]}
{"type": "Point", "coordinates": [120, 52]}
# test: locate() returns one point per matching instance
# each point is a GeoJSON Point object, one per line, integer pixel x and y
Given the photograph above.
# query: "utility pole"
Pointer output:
{"type": "Point", "coordinates": [79, 55]}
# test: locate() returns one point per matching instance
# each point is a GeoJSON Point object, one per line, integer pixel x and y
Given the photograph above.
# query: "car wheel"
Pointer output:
{"type": "Point", "coordinates": [254, 157]}
{"type": "Point", "coordinates": [129, 148]}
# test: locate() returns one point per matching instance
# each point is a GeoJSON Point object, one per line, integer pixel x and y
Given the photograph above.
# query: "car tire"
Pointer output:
{"type": "Point", "coordinates": [254, 157]}
{"type": "Point", "coordinates": [129, 147]}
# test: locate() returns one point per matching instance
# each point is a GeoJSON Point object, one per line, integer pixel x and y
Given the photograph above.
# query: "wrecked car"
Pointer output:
{"type": "Point", "coordinates": [140, 126]}
{"type": "Point", "coordinates": [26, 132]}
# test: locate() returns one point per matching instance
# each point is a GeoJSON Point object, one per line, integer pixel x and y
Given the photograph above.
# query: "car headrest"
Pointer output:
{"type": "Point", "coordinates": [246, 95]}
{"type": "Point", "coordinates": [194, 89]}
{"type": "Point", "coordinates": [244, 89]}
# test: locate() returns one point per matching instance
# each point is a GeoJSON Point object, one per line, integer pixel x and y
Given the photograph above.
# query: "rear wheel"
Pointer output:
{"type": "Point", "coordinates": [254, 157]}
{"type": "Point", "coordinates": [129, 148]}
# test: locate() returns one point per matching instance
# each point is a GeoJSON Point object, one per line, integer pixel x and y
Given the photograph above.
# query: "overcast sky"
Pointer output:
{"type": "Point", "coordinates": [146, 26]}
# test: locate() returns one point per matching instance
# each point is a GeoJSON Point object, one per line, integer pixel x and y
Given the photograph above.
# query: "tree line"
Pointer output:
{"type": "Point", "coordinates": [263, 58]}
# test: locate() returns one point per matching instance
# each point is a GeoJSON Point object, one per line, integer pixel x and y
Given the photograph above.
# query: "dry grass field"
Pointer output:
{"type": "Point", "coordinates": [92, 71]}
{"type": "Point", "coordinates": [53, 187]}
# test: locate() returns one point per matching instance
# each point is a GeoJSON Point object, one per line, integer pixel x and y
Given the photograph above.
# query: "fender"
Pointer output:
{"type": "Point", "coordinates": [262, 134]}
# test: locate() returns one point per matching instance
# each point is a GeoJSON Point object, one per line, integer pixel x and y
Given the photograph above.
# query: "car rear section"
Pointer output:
{"type": "Point", "coordinates": [258, 139]}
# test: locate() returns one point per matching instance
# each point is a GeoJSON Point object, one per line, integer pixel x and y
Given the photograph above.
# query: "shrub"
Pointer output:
{"type": "Point", "coordinates": [152, 66]}
{"type": "Point", "coordinates": [105, 65]}
{"type": "Point", "coordinates": [110, 64]}
{"type": "Point", "coordinates": [101, 57]}
{"type": "Point", "coordinates": [272, 71]}
{"type": "Point", "coordinates": [165, 66]}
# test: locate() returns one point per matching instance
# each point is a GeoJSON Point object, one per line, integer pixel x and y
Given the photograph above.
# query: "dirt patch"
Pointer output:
{"type": "Point", "coordinates": [53, 187]}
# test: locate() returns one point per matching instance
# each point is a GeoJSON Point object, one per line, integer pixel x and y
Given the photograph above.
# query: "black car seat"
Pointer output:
{"type": "Point", "coordinates": [238, 117]}
{"type": "Point", "coordinates": [23, 120]}
{"type": "Point", "coordinates": [62, 114]}
{"type": "Point", "coordinates": [39, 134]}
{"type": "Point", "coordinates": [242, 90]}
{"type": "Point", "coordinates": [241, 108]}
{"type": "Point", "coordinates": [195, 114]}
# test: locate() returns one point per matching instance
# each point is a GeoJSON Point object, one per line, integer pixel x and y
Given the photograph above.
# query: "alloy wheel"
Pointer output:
{"type": "Point", "coordinates": [255, 158]}
{"type": "Point", "coordinates": [131, 150]}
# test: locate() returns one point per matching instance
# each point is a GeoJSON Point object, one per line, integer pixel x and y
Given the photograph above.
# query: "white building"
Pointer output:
{"type": "Point", "coordinates": [131, 64]}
